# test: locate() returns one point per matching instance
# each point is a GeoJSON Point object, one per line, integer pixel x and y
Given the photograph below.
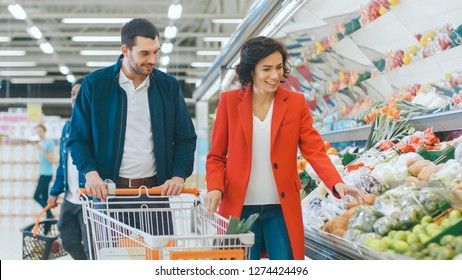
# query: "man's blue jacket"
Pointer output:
{"type": "Point", "coordinates": [99, 120]}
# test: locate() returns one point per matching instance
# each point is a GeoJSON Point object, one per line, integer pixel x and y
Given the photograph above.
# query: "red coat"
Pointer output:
{"type": "Point", "coordinates": [229, 160]}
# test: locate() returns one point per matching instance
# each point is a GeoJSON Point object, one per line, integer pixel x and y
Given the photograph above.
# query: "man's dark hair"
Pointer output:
{"type": "Point", "coordinates": [77, 82]}
{"type": "Point", "coordinates": [137, 27]}
{"type": "Point", "coordinates": [253, 51]}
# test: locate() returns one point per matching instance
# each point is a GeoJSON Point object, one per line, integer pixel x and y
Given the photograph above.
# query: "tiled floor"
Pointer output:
{"type": "Point", "coordinates": [11, 237]}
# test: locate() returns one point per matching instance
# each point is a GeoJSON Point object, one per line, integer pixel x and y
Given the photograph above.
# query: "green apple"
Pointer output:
{"type": "Point", "coordinates": [413, 238]}
{"type": "Point", "coordinates": [378, 245]}
{"type": "Point", "coordinates": [447, 240]}
{"type": "Point", "coordinates": [445, 253]}
{"type": "Point", "coordinates": [392, 234]}
{"type": "Point", "coordinates": [455, 214]}
{"type": "Point", "coordinates": [426, 219]}
{"type": "Point", "coordinates": [387, 241]}
{"type": "Point", "coordinates": [445, 223]}
{"type": "Point", "coordinates": [399, 246]}
{"type": "Point", "coordinates": [418, 229]}
{"type": "Point", "coordinates": [423, 237]}
{"type": "Point", "coordinates": [401, 235]}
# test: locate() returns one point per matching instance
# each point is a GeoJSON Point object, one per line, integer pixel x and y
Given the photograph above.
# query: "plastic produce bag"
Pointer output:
{"type": "Point", "coordinates": [352, 234]}
{"type": "Point", "coordinates": [451, 169]}
{"type": "Point", "coordinates": [364, 219]}
{"type": "Point", "coordinates": [410, 216]}
{"type": "Point", "coordinates": [384, 225]}
{"type": "Point", "coordinates": [362, 179]}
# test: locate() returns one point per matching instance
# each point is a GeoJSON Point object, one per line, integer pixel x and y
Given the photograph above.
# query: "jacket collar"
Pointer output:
{"type": "Point", "coordinates": [118, 66]}
{"type": "Point", "coordinates": [246, 115]}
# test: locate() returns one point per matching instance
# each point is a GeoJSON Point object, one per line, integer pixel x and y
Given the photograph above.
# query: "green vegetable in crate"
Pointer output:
{"type": "Point", "coordinates": [384, 225]}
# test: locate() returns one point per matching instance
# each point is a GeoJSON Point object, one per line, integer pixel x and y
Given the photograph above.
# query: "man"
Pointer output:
{"type": "Point", "coordinates": [46, 159]}
{"type": "Point", "coordinates": [70, 224]}
{"type": "Point", "coordinates": [130, 123]}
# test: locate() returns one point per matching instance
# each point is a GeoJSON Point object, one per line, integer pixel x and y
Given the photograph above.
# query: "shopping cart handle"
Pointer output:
{"type": "Point", "coordinates": [152, 191]}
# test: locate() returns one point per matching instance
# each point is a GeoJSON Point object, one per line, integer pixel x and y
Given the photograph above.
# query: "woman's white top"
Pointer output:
{"type": "Point", "coordinates": [261, 189]}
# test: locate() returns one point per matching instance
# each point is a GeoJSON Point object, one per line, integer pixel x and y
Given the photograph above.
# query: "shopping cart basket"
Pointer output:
{"type": "Point", "coordinates": [40, 240]}
{"type": "Point", "coordinates": [189, 232]}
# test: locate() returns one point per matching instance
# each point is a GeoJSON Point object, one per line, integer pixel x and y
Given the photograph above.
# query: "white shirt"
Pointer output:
{"type": "Point", "coordinates": [72, 181]}
{"type": "Point", "coordinates": [138, 159]}
{"type": "Point", "coordinates": [262, 188]}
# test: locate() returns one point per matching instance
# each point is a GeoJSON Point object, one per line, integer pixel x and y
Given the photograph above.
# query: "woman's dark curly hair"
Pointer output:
{"type": "Point", "coordinates": [253, 51]}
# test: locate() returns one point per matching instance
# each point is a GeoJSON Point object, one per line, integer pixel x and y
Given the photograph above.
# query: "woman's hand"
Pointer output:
{"type": "Point", "coordinates": [212, 201]}
{"type": "Point", "coordinates": [344, 189]}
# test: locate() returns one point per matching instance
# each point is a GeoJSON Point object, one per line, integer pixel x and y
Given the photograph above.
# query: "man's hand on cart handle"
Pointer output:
{"type": "Point", "coordinates": [53, 200]}
{"type": "Point", "coordinates": [212, 201]}
{"type": "Point", "coordinates": [173, 186]}
{"type": "Point", "coordinates": [95, 186]}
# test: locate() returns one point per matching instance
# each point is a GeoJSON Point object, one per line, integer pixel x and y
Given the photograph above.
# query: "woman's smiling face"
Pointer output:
{"type": "Point", "coordinates": [268, 73]}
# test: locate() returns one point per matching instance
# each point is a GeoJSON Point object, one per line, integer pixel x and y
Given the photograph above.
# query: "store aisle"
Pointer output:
{"type": "Point", "coordinates": [11, 237]}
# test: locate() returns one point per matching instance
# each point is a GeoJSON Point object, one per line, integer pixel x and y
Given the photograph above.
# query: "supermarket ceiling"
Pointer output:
{"type": "Point", "coordinates": [51, 46]}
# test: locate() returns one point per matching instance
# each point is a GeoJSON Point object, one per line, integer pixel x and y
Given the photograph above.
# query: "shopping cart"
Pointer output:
{"type": "Point", "coordinates": [160, 229]}
{"type": "Point", "coordinates": [40, 240]}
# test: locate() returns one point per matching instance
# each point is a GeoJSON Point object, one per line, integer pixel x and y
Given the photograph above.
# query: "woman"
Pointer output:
{"type": "Point", "coordinates": [252, 165]}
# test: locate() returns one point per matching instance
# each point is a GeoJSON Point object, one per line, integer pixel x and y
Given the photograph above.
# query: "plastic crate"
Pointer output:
{"type": "Point", "coordinates": [455, 229]}
{"type": "Point", "coordinates": [437, 156]}
{"type": "Point", "coordinates": [45, 245]}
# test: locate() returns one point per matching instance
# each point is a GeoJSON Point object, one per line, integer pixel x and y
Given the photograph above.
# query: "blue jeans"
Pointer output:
{"type": "Point", "coordinates": [270, 232]}
{"type": "Point", "coordinates": [73, 231]}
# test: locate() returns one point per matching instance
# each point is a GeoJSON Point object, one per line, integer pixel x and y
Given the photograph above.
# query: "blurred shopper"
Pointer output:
{"type": "Point", "coordinates": [130, 122]}
{"type": "Point", "coordinates": [71, 226]}
{"type": "Point", "coordinates": [252, 165]}
{"type": "Point", "coordinates": [46, 160]}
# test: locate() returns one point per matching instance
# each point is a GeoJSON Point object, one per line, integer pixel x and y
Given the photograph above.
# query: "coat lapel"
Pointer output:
{"type": "Point", "coordinates": [279, 111]}
{"type": "Point", "coordinates": [245, 115]}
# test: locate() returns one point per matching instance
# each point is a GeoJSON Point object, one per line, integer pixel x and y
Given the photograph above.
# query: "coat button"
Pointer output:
{"type": "Point", "coordinates": [283, 195]}
{"type": "Point", "coordinates": [275, 166]}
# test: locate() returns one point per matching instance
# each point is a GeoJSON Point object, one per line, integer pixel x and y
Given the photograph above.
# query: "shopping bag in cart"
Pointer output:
{"type": "Point", "coordinates": [40, 240]}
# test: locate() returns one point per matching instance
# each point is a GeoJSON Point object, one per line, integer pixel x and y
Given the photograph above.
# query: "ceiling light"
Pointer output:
{"type": "Point", "coordinates": [165, 60]}
{"type": "Point", "coordinates": [17, 11]}
{"type": "Point", "coordinates": [100, 52]}
{"type": "Point", "coordinates": [22, 73]}
{"type": "Point", "coordinates": [34, 32]}
{"type": "Point", "coordinates": [215, 39]}
{"type": "Point", "coordinates": [17, 64]}
{"type": "Point", "coordinates": [46, 48]}
{"type": "Point", "coordinates": [64, 69]}
{"type": "Point", "coordinates": [227, 20]}
{"type": "Point", "coordinates": [174, 11]}
{"type": "Point", "coordinates": [191, 81]}
{"type": "Point", "coordinates": [12, 53]}
{"type": "Point", "coordinates": [70, 78]}
{"type": "Point", "coordinates": [32, 81]}
{"type": "Point", "coordinates": [170, 32]}
{"type": "Point", "coordinates": [99, 63]}
{"type": "Point", "coordinates": [208, 52]}
{"type": "Point", "coordinates": [201, 64]}
{"type": "Point", "coordinates": [5, 39]}
{"type": "Point", "coordinates": [95, 20]}
{"type": "Point", "coordinates": [167, 47]}
{"type": "Point", "coordinates": [95, 38]}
